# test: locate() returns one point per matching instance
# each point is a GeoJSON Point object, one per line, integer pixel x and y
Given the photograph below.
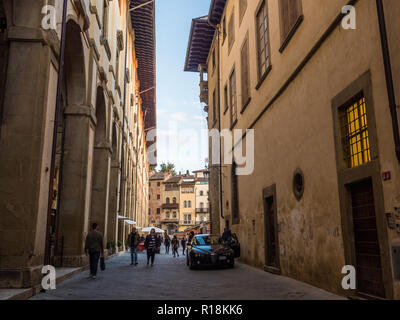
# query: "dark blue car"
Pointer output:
{"type": "Point", "coordinates": [210, 250]}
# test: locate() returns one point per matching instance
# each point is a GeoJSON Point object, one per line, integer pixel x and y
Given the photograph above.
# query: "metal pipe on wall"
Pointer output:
{"type": "Point", "coordinates": [389, 76]}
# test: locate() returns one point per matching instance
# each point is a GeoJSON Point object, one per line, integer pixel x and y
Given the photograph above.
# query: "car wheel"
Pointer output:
{"type": "Point", "coordinates": [191, 265]}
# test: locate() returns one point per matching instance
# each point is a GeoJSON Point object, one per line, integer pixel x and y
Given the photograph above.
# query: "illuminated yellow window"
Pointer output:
{"type": "Point", "coordinates": [355, 139]}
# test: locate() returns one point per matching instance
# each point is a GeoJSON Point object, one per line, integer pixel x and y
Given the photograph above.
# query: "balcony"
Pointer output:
{"type": "Point", "coordinates": [202, 210]}
{"type": "Point", "coordinates": [204, 92]}
{"type": "Point", "coordinates": [170, 206]}
{"type": "Point", "coordinates": [187, 223]}
{"type": "Point", "coordinates": [169, 220]}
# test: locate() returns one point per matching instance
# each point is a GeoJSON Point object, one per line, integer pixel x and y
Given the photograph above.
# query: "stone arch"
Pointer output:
{"type": "Point", "coordinates": [101, 166]}
{"type": "Point", "coordinates": [77, 152]}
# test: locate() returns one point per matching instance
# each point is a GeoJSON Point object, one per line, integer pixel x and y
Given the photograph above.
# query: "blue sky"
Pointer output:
{"type": "Point", "coordinates": [178, 104]}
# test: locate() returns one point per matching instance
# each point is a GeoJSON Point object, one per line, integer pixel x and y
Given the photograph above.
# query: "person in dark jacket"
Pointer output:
{"type": "Point", "coordinates": [167, 243]}
{"type": "Point", "coordinates": [152, 244]}
{"type": "Point", "coordinates": [133, 242]}
{"type": "Point", "coordinates": [175, 246]}
{"type": "Point", "coordinates": [94, 248]}
{"type": "Point", "coordinates": [183, 244]}
{"type": "Point", "coordinates": [227, 235]}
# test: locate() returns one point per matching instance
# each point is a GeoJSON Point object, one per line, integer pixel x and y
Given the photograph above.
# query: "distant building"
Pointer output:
{"type": "Point", "coordinates": [201, 194]}
{"type": "Point", "coordinates": [170, 206]}
{"type": "Point", "coordinates": [156, 197]}
{"type": "Point", "coordinates": [187, 202]}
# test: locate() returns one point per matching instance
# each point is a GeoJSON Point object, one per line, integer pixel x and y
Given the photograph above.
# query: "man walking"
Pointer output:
{"type": "Point", "coordinates": [152, 244]}
{"type": "Point", "coordinates": [175, 246]}
{"type": "Point", "coordinates": [167, 243]}
{"type": "Point", "coordinates": [133, 242]}
{"type": "Point", "coordinates": [183, 244]}
{"type": "Point", "coordinates": [94, 248]}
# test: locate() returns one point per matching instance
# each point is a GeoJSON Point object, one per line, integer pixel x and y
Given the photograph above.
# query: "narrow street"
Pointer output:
{"type": "Point", "coordinates": [171, 279]}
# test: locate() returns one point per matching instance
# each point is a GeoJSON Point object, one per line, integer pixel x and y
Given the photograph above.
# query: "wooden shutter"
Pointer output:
{"type": "Point", "coordinates": [245, 72]}
{"type": "Point", "coordinates": [290, 11]}
{"type": "Point", "coordinates": [231, 31]}
{"type": "Point", "coordinates": [242, 9]}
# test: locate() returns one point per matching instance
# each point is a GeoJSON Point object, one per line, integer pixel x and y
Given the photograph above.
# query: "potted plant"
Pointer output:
{"type": "Point", "coordinates": [119, 245]}
{"type": "Point", "coordinates": [111, 247]}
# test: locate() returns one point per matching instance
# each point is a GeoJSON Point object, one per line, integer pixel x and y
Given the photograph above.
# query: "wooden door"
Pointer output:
{"type": "Point", "coordinates": [366, 242]}
{"type": "Point", "coordinates": [271, 237]}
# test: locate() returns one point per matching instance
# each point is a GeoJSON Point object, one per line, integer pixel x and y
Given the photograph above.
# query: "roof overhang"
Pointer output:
{"type": "Point", "coordinates": [200, 39]}
{"type": "Point", "coordinates": [216, 10]}
{"type": "Point", "coordinates": [143, 23]}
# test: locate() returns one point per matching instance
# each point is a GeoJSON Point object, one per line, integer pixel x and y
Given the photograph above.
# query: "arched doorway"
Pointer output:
{"type": "Point", "coordinates": [101, 166]}
{"type": "Point", "coordinates": [75, 147]}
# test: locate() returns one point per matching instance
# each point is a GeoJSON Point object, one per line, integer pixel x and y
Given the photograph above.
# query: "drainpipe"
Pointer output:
{"type": "Point", "coordinates": [55, 127]}
{"type": "Point", "coordinates": [216, 27]}
{"type": "Point", "coordinates": [389, 76]}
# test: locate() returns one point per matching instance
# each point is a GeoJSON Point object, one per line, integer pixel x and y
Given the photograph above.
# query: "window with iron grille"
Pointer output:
{"type": "Point", "coordinates": [232, 98]}
{"type": "Point", "coordinates": [231, 31]}
{"type": "Point", "coordinates": [354, 130]}
{"type": "Point", "coordinates": [263, 46]}
{"type": "Point", "coordinates": [3, 24]}
{"type": "Point", "coordinates": [291, 14]}
{"type": "Point", "coordinates": [242, 9]}
{"type": "Point", "coordinates": [158, 210]}
{"type": "Point", "coordinates": [245, 76]}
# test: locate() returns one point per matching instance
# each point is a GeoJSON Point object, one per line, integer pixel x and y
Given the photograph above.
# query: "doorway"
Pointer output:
{"type": "Point", "coordinates": [271, 233]}
{"type": "Point", "coordinates": [366, 242]}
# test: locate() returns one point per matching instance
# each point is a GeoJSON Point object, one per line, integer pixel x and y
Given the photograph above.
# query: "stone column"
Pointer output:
{"type": "Point", "coordinates": [25, 143]}
{"type": "Point", "coordinates": [112, 223]}
{"type": "Point", "coordinates": [100, 187]}
{"type": "Point", "coordinates": [75, 193]}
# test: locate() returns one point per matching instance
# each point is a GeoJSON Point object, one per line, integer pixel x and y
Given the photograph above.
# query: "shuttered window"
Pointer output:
{"type": "Point", "coordinates": [242, 9]}
{"type": "Point", "coordinates": [264, 59]}
{"type": "Point", "coordinates": [291, 14]}
{"type": "Point", "coordinates": [231, 31]}
{"type": "Point", "coordinates": [214, 107]}
{"type": "Point", "coordinates": [233, 101]}
{"type": "Point", "coordinates": [245, 76]}
{"type": "Point", "coordinates": [105, 20]}
{"type": "Point", "coordinates": [235, 195]}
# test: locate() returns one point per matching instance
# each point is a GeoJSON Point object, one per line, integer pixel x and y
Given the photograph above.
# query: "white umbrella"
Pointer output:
{"type": "Point", "coordinates": [148, 229]}
{"type": "Point", "coordinates": [130, 221]}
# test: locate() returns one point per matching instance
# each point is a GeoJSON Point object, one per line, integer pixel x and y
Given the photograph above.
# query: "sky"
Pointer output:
{"type": "Point", "coordinates": [181, 120]}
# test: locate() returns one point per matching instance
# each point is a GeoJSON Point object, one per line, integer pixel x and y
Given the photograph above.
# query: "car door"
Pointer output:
{"type": "Point", "coordinates": [235, 245]}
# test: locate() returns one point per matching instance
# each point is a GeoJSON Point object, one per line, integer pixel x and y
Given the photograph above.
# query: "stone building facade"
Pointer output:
{"type": "Point", "coordinates": [324, 192]}
{"type": "Point", "coordinates": [187, 203]}
{"type": "Point", "coordinates": [94, 168]}
{"type": "Point", "coordinates": [202, 194]}
{"type": "Point", "coordinates": [156, 197]}
{"type": "Point", "coordinates": [170, 206]}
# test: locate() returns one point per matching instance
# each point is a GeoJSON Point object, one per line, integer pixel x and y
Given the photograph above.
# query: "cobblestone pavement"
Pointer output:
{"type": "Point", "coordinates": [171, 279]}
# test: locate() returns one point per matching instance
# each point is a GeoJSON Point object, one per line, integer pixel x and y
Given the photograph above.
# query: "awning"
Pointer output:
{"type": "Point", "coordinates": [200, 39]}
{"type": "Point", "coordinates": [216, 10]}
{"type": "Point", "coordinates": [130, 221]}
{"type": "Point", "coordinates": [122, 217]}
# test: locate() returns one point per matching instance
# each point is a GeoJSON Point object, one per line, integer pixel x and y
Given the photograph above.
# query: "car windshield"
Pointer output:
{"type": "Point", "coordinates": [207, 240]}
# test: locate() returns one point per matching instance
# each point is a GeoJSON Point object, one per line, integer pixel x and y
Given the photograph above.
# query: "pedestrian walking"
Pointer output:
{"type": "Point", "coordinates": [183, 244]}
{"type": "Point", "coordinates": [175, 246]}
{"type": "Point", "coordinates": [227, 235]}
{"type": "Point", "coordinates": [191, 236]}
{"type": "Point", "coordinates": [152, 244]}
{"type": "Point", "coordinates": [94, 248]}
{"type": "Point", "coordinates": [167, 243]}
{"type": "Point", "coordinates": [133, 243]}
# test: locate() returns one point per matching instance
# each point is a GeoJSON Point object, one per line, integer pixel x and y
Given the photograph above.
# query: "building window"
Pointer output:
{"type": "Point", "coordinates": [117, 68]}
{"type": "Point", "coordinates": [242, 9]}
{"type": "Point", "coordinates": [167, 200]}
{"type": "Point", "coordinates": [174, 214]}
{"type": "Point", "coordinates": [232, 98]}
{"type": "Point", "coordinates": [174, 200]}
{"type": "Point", "coordinates": [149, 211]}
{"type": "Point", "coordinates": [158, 184]}
{"type": "Point", "coordinates": [263, 46]}
{"type": "Point", "coordinates": [245, 76]}
{"type": "Point", "coordinates": [214, 107]}
{"type": "Point", "coordinates": [213, 59]}
{"type": "Point", "coordinates": [167, 215]}
{"type": "Point", "coordinates": [291, 15]}
{"type": "Point", "coordinates": [223, 30]}
{"type": "Point", "coordinates": [231, 31]}
{"type": "Point", "coordinates": [235, 195]}
{"type": "Point", "coordinates": [189, 204]}
{"type": "Point", "coordinates": [226, 104]}
{"type": "Point", "coordinates": [3, 24]}
{"type": "Point", "coordinates": [185, 204]}
{"type": "Point", "coordinates": [158, 210]}
{"type": "Point", "coordinates": [201, 192]}
{"type": "Point", "coordinates": [354, 130]}
{"type": "Point", "coordinates": [105, 20]}
{"type": "Point", "coordinates": [158, 197]}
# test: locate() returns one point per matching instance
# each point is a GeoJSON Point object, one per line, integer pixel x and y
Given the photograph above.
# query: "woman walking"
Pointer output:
{"type": "Point", "coordinates": [152, 244]}
{"type": "Point", "coordinates": [167, 243]}
{"type": "Point", "coordinates": [175, 246]}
